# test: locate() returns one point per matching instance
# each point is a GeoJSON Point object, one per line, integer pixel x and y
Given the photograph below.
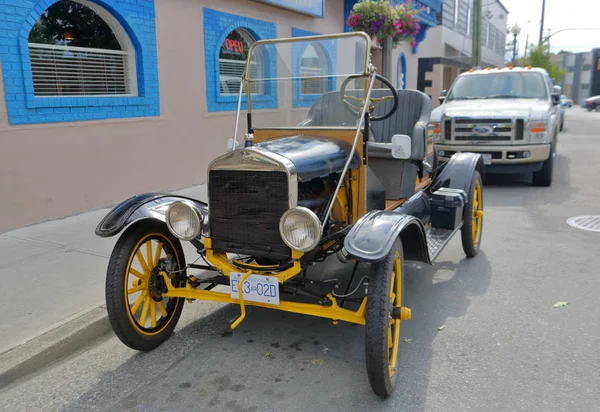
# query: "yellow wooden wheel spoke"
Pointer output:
{"type": "Point", "coordinates": [152, 313]}
{"type": "Point", "coordinates": [136, 273]}
{"type": "Point", "coordinates": [140, 258]}
{"type": "Point", "coordinates": [149, 256]}
{"type": "Point", "coordinates": [136, 288]}
{"type": "Point", "coordinates": [144, 316]}
{"type": "Point", "coordinates": [390, 341]}
{"type": "Point", "coordinates": [138, 302]}
{"type": "Point", "coordinates": [162, 309]}
{"type": "Point", "coordinates": [157, 255]}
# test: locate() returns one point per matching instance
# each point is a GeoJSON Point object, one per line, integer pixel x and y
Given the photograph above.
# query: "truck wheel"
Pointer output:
{"type": "Point", "coordinates": [472, 229]}
{"type": "Point", "coordinates": [140, 316]}
{"type": "Point", "coordinates": [544, 176]}
{"type": "Point", "coordinates": [384, 313]}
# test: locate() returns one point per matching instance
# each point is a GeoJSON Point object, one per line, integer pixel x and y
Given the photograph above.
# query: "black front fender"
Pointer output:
{"type": "Point", "coordinates": [458, 172]}
{"type": "Point", "coordinates": [372, 237]}
{"type": "Point", "coordinates": [144, 206]}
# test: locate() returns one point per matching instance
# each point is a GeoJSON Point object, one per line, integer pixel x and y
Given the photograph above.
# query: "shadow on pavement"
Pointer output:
{"type": "Point", "coordinates": [279, 361]}
{"type": "Point", "coordinates": [517, 189]}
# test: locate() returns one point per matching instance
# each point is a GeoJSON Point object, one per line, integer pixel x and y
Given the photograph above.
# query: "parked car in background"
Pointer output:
{"type": "Point", "coordinates": [592, 103]}
{"type": "Point", "coordinates": [511, 116]}
{"type": "Point", "coordinates": [562, 117]}
{"type": "Point", "coordinates": [565, 101]}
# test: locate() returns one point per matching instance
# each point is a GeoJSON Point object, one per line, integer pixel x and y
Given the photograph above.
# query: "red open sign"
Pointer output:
{"type": "Point", "coordinates": [234, 46]}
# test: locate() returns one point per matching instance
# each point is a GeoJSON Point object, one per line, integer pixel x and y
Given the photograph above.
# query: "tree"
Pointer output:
{"type": "Point", "coordinates": [538, 57]}
{"type": "Point", "coordinates": [75, 24]}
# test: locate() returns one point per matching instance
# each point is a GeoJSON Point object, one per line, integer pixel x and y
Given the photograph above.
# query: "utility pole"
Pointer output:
{"type": "Point", "coordinates": [542, 21]}
{"type": "Point", "coordinates": [526, 46]}
{"type": "Point", "coordinates": [476, 49]}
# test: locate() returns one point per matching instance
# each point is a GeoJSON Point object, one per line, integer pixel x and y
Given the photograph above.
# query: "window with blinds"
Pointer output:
{"type": "Point", "coordinates": [78, 71]}
{"type": "Point", "coordinates": [77, 48]}
{"type": "Point", "coordinates": [232, 63]}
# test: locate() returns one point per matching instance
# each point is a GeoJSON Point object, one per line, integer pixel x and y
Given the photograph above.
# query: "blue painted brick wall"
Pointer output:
{"type": "Point", "coordinates": [17, 17]}
{"type": "Point", "coordinates": [217, 25]}
{"type": "Point", "coordinates": [328, 48]}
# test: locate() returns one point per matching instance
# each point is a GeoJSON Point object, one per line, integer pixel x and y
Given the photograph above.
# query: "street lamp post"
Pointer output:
{"type": "Point", "coordinates": [515, 32]}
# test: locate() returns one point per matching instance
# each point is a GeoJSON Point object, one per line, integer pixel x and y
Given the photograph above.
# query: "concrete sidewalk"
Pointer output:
{"type": "Point", "coordinates": [53, 272]}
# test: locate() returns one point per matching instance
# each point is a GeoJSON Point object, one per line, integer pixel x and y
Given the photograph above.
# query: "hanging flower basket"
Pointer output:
{"type": "Point", "coordinates": [381, 19]}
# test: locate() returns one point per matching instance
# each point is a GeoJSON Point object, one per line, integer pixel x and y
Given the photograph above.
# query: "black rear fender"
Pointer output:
{"type": "Point", "coordinates": [144, 206]}
{"type": "Point", "coordinates": [372, 237]}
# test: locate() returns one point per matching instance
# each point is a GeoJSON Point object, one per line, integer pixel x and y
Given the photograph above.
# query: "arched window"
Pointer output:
{"type": "Point", "coordinates": [313, 69]}
{"type": "Point", "coordinates": [77, 48]}
{"type": "Point", "coordinates": [232, 62]}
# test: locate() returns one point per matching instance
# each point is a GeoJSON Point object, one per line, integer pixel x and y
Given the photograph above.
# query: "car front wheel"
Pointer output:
{"type": "Point", "coordinates": [544, 176]}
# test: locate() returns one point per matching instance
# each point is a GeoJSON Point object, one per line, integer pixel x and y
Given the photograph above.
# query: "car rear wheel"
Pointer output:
{"type": "Point", "coordinates": [472, 229]}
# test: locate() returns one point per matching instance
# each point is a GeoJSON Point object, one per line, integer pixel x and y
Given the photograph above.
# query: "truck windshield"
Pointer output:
{"type": "Point", "coordinates": [505, 85]}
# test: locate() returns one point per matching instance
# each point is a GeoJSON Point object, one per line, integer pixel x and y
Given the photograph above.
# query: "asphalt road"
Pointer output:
{"type": "Point", "coordinates": [504, 346]}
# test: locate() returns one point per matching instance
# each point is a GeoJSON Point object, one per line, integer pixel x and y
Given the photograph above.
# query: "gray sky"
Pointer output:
{"type": "Point", "coordinates": [560, 14]}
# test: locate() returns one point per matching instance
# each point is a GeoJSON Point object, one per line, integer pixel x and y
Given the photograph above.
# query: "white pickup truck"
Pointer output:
{"type": "Point", "coordinates": [511, 116]}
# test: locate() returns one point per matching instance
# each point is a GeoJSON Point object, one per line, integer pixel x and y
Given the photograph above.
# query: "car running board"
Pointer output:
{"type": "Point", "coordinates": [437, 239]}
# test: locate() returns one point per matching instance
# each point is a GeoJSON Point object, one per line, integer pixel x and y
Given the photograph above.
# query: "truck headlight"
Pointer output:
{"type": "Point", "coordinates": [300, 229]}
{"type": "Point", "coordinates": [435, 131]}
{"type": "Point", "coordinates": [184, 220]}
{"type": "Point", "coordinates": [538, 133]}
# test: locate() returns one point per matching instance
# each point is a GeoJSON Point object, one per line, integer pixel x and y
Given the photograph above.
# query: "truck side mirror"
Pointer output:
{"type": "Point", "coordinates": [556, 93]}
{"type": "Point", "coordinates": [443, 96]}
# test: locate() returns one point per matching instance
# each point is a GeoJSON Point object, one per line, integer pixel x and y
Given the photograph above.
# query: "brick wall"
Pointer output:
{"type": "Point", "coordinates": [217, 25]}
{"type": "Point", "coordinates": [17, 17]}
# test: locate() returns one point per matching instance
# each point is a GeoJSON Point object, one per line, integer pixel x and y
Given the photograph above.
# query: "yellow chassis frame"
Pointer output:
{"type": "Point", "coordinates": [222, 263]}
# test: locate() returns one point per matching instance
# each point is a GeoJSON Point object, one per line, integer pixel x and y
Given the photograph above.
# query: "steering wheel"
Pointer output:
{"type": "Point", "coordinates": [373, 101]}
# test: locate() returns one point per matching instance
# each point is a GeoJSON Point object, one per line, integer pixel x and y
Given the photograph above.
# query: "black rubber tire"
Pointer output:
{"type": "Point", "coordinates": [378, 312]}
{"type": "Point", "coordinates": [116, 304]}
{"type": "Point", "coordinates": [544, 176]}
{"type": "Point", "coordinates": [466, 234]}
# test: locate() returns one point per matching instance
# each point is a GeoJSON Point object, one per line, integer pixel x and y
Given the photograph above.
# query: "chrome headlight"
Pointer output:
{"type": "Point", "coordinates": [184, 220]}
{"type": "Point", "coordinates": [300, 229]}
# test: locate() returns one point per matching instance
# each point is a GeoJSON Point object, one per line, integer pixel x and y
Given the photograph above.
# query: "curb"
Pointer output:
{"type": "Point", "coordinates": [57, 344]}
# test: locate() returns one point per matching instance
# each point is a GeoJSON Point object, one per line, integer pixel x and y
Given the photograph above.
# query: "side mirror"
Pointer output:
{"type": "Point", "coordinates": [443, 96]}
{"type": "Point", "coordinates": [556, 93]}
{"type": "Point", "coordinates": [401, 146]}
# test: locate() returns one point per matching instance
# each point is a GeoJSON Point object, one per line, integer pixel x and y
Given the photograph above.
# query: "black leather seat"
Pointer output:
{"type": "Point", "coordinates": [414, 108]}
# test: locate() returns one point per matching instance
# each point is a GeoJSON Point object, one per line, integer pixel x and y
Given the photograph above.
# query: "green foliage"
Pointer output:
{"type": "Point", "coordinates": [382, 18]}
{"type": "Point", "coordinates": [539, 57]}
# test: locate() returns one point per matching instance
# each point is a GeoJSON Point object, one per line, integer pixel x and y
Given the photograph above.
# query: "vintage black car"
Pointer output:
{"type": "Point", "coordinates": [351, 172]}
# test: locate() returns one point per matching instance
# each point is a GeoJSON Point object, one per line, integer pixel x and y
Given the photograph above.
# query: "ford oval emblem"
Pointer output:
{"type": "Point", "coordinates": [482, 130]}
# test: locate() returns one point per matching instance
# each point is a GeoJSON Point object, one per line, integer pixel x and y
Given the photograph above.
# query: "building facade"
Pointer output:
{"type": "Point", "coordinates": [104, 99]}
{"type": "Point", "coordinates": [582, 77]}
{"type": "Point", "coordinates": [447, 50]}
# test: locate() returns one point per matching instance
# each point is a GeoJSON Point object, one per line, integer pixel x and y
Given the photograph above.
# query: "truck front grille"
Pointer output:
{"type": "Point", "coordinates": [496, 131]}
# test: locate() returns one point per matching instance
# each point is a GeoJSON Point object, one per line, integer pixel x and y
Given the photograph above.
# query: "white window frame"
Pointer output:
{"type": "Point", "coordinates": [127, 51]}
{"type": "Point", "coordinates": [456, 8]}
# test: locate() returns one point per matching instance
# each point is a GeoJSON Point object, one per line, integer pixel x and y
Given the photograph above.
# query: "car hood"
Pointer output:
{"type": "Point", "coordinates": [525, 108]}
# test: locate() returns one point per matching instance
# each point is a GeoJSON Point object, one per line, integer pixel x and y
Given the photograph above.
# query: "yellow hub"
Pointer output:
{"type": "Point", "coordinates": [148, 313]}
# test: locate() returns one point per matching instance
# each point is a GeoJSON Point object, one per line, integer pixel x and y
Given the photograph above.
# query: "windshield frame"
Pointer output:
{"type": "Point", "coordinates": [540, 76]}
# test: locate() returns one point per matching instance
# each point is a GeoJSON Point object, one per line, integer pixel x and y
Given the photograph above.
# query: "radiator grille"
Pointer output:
{"type": "Point", "coordinates": [245, 208]}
